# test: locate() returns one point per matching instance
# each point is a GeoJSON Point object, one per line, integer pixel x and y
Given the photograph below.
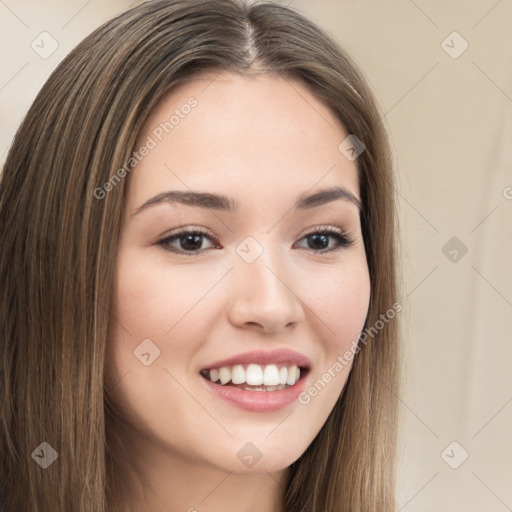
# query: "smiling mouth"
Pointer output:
{"type": "Point", "coordinates": [255, 377]}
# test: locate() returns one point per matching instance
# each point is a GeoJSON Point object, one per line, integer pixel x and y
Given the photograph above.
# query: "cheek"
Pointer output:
{"type": "Point", "coordinates": [158, 311]}
{"type": "Point", "coordinates": [339, 298]}
{"type": "Point", "coordinates": [338, 302]}
{"type": "Point", "coordinates": [153, 298]}
{"type": "Point", "coordinates": [169, 306]}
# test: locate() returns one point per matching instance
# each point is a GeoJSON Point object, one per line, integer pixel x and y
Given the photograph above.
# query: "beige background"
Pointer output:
{"type": "Point", "coordinates": [450, 121]}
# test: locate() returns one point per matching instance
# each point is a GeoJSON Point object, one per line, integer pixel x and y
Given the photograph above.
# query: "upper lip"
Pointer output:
{"type": "Point", "coordinates": [279, 356]}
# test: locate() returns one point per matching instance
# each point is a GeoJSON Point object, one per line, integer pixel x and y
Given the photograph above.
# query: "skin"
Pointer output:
{"type": "Point", "coordinates": [263, 141]}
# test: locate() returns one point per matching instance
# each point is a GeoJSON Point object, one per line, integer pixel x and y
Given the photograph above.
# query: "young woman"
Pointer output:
{"type": "Point", "coordinates": [198, 301]}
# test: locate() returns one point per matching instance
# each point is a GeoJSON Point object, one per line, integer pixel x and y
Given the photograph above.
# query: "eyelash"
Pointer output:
{"type": "Point", "coordinates": [343, 239]}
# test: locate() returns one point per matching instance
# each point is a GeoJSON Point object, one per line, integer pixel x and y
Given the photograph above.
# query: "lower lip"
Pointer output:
{"type": "Point", "coordinates": [258, 401]}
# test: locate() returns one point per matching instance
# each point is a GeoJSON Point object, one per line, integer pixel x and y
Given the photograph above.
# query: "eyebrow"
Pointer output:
{"type": "Point", "coordinates": [224, 203]}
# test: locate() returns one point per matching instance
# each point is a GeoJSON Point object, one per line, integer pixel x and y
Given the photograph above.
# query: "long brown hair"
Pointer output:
{"type": "Point", "coordinates": [59, 245]}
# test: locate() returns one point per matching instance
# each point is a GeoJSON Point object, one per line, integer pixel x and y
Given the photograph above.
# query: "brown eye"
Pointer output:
{"type": "Point", "coordinates": [188, 242]}
{"type": "Point", "coordinates": [318, 240]}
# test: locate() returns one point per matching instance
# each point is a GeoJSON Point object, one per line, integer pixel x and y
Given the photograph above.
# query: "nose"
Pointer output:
{"type": "Point", "coordinates": [263, 295]}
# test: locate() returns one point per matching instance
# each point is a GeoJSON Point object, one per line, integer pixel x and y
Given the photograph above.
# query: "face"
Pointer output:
{"type": "Point", "coordinates": [238, 287]}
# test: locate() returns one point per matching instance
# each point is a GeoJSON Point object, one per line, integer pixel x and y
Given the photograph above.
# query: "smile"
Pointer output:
{"type": "Point", "coordinates": [255, 377]}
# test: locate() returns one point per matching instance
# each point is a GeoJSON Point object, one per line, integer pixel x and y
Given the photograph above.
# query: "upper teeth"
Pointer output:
{"type": "Point", "coordinates": [256, 375]}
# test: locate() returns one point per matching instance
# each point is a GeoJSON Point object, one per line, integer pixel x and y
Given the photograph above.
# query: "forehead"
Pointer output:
{"type": "Point", "coordinates": [257, 135]}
